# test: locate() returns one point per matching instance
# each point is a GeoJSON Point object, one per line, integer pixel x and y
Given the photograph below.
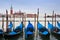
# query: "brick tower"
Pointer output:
{"type": "Point", "coordinates": [11, 10]}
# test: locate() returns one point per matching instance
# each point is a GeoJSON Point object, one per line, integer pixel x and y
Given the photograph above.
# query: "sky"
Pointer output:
{"type": "Point", "coordinates": [30, 6]}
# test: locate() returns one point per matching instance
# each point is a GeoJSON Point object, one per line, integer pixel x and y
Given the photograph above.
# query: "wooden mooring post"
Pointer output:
{"type": "Point", "coordinates": [55, 19]}
{"type": "Point", "coordinates": [45, 19]}
{"type": "Point", "coordinates": [24, 23]}
{"type": "Point", "coordinates": [6, 20]}
{"type": "Point", "coordinates": [3, 22]}
{"type": "Point", "coordinates": [36, 29]}
{"type": "Point", "coordinates": [52, 17]}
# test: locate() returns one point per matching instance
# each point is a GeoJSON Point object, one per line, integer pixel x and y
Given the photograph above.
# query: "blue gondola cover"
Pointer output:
{"type": "Point", "coordinates": [39, 25]}
{"type": "Point", "coordinates": [58, 24]}
{"type": "Point", "coordinates": [19, 27]}
{"type": "Point", "coordinates": [28, 33]}
{"type": "Point", "coordinates": [12, 33]}
{"type": "Point", "coordinates": [29, 29]}
{"type": "Point", "coordinates": [30, 26]}
{"type": "Point", "coordinates": [45, 32]}
{"type": "Point", "coordinates": [10, 25]}
{"type": "Point", "coordinates": [50, 26]}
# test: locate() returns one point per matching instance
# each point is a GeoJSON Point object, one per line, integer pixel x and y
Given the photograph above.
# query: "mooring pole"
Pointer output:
{"type": "Point", "coordinates": [3, 22]}
{"type": "Point", "coordinates": [6, 20]}
{"type": "Point", "coordinates": [34, 24]}
{"type": "Point", "coordinates": [55, 20]}
{"type": "Point", "coordinates": [13, 21]}
{"type": "Point", "coordinates": [52, 16]}
{"type": "Point", "coordinates": [36, 31]}
{"type": "Point", "coordinates": [45, 19]}
{"type": "Point", "coordinates": [11, 15]}
{"type": "Point", "coordinates": [23, 27]}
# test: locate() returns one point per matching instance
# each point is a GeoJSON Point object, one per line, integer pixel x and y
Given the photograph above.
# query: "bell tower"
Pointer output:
{"type": "Point", "coordinates": [11, 10]}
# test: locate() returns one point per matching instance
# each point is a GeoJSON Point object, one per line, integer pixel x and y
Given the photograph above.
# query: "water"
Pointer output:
{"type": "Point", "coordinates": [38, 38]}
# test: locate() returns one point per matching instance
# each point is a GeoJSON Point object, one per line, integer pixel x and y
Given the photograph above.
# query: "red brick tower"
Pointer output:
{"type": "Point", "coordinates": [11, 10]}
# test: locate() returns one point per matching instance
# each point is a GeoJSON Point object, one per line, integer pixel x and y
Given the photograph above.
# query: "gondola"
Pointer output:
{"type": "Point", "coordinates": [15, 33]}
{"type": "Point", "coordinates": [20, 29]}
{"type": "Point", "coordinates": [54, 30]}
{"type": "Point", "coordinates": [43, 32]}
{"type": "Point", "coordinates": [29, 31]}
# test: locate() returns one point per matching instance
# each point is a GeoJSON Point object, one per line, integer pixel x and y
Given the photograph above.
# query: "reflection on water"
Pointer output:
{"type": "Point", "coordinates": [2, 39]}
{"type": "Point", "coordinates": [45, 38]}
{"type": "Point", "coordinates": [38, 38]}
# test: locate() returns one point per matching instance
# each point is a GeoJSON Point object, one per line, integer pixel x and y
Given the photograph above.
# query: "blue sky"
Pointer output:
{"type": "Point", "coordinates": [30, 6]}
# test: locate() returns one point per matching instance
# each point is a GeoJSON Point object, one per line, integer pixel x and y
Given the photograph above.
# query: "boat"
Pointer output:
{"type": "Point", "coordinates": [29, 31]}
{"type": "Point", "coordinates": [15, 33]}
{"type": "Point", "coordinates": [54, 30]}
{"type": "Point", "coordinates": [43, 32]}
{"type": "Point", "coordinates": [19, 29]}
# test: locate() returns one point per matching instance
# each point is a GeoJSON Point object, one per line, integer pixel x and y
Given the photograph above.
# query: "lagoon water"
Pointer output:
{"type": "Point", "coordinates": [38, 38]}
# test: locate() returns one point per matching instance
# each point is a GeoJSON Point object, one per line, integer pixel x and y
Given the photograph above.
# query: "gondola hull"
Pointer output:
{"type": "Point", "coordinates": [42, 35]}
{"type": "Point", "coordinates": [1, 35]}
{"type": "Point", "coordinates": [43, 32]}
{"type": "Point", "coordinates": [55, 34]}
{"type": "Point", "coordinates": [29, 37]}
{"type": "Point", "coordinates": [17, 35]}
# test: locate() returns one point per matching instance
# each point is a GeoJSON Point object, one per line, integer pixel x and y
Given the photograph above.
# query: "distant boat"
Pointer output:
{"type": "Point", "coordinates": [48, 16]}
{"type": "Point", "coordinates": [29, 31]}
{"type": "Point", "coordinates": [15, 33]}
{"type": "Point", "coordinates": [54, 30]}
{"type": "Point", "coordinates": [43, 32]}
